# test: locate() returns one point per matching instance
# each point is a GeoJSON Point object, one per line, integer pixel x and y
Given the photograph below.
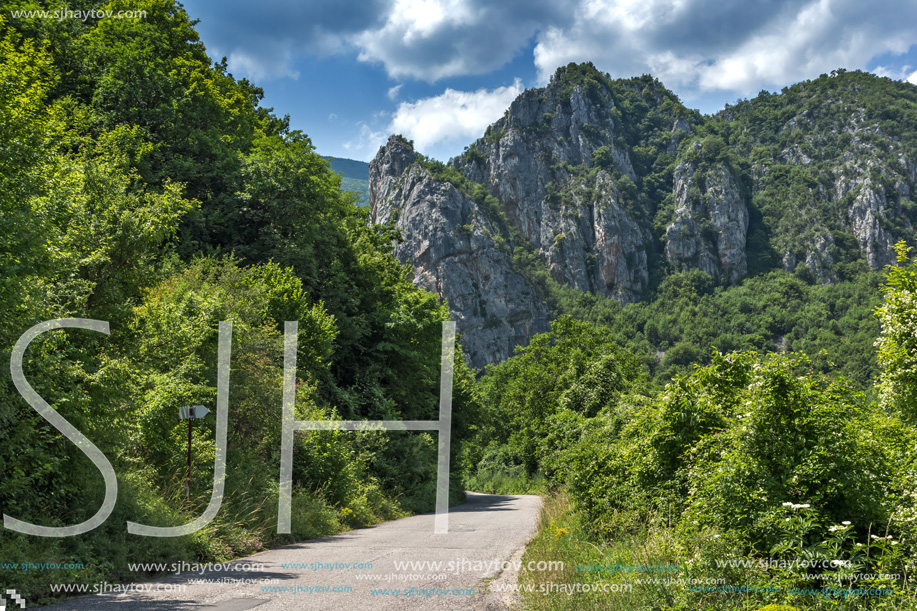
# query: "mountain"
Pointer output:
{"type": "Point", "coordinates": [354, 176]}
{"type": "Point", "coordinates": [610, 187]}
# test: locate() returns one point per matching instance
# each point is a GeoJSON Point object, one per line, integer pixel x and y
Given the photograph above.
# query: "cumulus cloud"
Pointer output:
{"type": "Point", "coordinates": [912, 78]}
{"type": "Point", "coordinates": [454, 116]}
{"type": "Point", "coordinates": [695, 46]}
{"type": "Point", "coordinates": [742, 47]}
{"type": "Point", "coordinates": [822, 36]}
{"type": "Point", "coordinates": [434, 39]}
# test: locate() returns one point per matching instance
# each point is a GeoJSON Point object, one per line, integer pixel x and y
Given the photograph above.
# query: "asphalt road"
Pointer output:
{"type": "Point", "coordinates": [484, 533]}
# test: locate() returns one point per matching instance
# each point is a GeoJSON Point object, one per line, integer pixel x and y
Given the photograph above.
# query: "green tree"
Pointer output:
{"type": "Point", "coordinates": [575, 367]}
{"type": "Point", "coordinates": [897, 342]}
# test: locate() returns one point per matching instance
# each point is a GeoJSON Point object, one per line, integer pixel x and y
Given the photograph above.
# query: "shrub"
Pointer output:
{"type": "Point", "coordinates": [797, 438]}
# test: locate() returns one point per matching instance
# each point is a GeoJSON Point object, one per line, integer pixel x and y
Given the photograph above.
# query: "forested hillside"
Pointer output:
{"type": "Point", "coordinates": [354, 176]}
{"type": "Point", "coordinates": [764, 227]}
{"type": "Point", "coordinates": [144, 185]}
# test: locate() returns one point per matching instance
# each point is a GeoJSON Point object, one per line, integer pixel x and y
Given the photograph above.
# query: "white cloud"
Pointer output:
{"type": "Point", "coordinates": [902, 73]}
{"type": "Point", "coordinates": [421, 39]}
{"type": "Point", "coordinates": [912, 78]}
{"type": "Point", "coordinates": [422, 18]}
{"type": "Point", "coordinates": [703, 49]}
{"type": "Point", "coordinates": [265, 42]}
{"type": "Point", "coordinates": [699, 46]}
{"type": "Point", "coordinates": [435, 39]}
{"type": "Point", "coordinates": [822, 36]}
{"type": "Point", "coordinates": [452, 116]}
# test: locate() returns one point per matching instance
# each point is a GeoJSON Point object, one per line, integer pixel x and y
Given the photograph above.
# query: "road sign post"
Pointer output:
{"type": "Point", "coordinates": [189, 413]}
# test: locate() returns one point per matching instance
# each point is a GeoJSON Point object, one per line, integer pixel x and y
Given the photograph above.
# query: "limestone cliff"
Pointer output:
{"type": "Point", "coordinates": [554, 166]}
{"type": "Point", "coordinates": [452, 247]}
{"type": "Point", "coordinates": [711, 223]}
{"type": "Point", "coordinates": [607, 186]}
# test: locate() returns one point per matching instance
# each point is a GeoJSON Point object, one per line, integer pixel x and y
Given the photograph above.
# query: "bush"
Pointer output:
{"type": "Point", "coordinates": [898, 341]}
{"type": "Point", "coordinates": [801, 439]}
{"type": "Point", "coordinates": [576, 367]}
{"type": "Point", "coordinates": [730, 445]}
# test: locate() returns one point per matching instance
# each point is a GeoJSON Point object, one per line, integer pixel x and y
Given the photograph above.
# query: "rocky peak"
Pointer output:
{"type": "Point", "coordinates": [456, 252]}
{"type": "Point", "coordinates": [384, 176]}
{"type": "Point", "coordinates": [554, 163]}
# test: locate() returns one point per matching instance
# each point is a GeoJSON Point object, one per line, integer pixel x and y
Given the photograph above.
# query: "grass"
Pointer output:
{"type": "Point", "coordinates": [646, 578]}
{"type": "Point", "coordinates": [246, 524]}
{"type": "Point", "coordinates": [562, 537]}
{"type": "Point", "coordinates": [512, 480]}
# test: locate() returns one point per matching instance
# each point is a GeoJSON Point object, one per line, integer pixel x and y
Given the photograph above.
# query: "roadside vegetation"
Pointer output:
{"type": "Point", "coordinates": [143, 185]}
{"type": "Point", "coordinates": [763, 479]}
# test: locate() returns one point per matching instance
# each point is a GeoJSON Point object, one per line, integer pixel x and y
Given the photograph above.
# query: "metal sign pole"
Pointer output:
{"type": "Point", "coordinates": [189, 413]}
{"type": "Point", "coordinates": [188, 473]}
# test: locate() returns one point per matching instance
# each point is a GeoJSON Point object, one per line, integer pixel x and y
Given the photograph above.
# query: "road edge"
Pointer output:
{"type": "Point", "coordinates": [506, 599]}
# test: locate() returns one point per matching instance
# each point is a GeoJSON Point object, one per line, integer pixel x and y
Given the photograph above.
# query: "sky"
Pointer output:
{"type": "Point", "coordinates": [351, 72]}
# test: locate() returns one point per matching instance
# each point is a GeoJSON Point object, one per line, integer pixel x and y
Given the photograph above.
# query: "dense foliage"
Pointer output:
{"type": "Point", "coordinates": [143, 185]}
{"type": "Point", "coordinates": [571, 373]}
{"type": "Point", "coordinates": [840, 132]}
{"type": "Point", "coordinates": [753, 456]}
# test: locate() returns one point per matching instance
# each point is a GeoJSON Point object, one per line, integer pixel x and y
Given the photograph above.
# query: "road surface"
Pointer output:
{"type": "Point", "coordinates": [359, 569]}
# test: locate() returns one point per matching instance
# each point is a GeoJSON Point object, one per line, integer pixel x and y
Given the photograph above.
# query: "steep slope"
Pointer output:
{"type": "Point", "coordinates": [833, 164]}
{"type": "Point", "coordinates": [609, 186]}
{"type": "Point", "coordinates": [559, 164]}
{"type": "Point", "coordinates": [456, 252]}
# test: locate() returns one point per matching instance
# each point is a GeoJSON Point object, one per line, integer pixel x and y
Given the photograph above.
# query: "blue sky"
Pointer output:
{"type": "Point", "coordinates": [351, 72]}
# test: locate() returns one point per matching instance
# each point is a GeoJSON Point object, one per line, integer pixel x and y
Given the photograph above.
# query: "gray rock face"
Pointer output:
{"type": "Point", "coordinates": [582, 185]}
{"type": "Point", "coordinates": [819, 259]}
{"type": "Point", "coordinates": [870, 205]}
{"type": "Point", "coordinates": [451, 246]}
{"type": "Point", "coordinates": [578, 224]}
{"type": "Point", "coordinates": [711, 223]}
{"type": "Point", "coordinates": [859, 192]}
